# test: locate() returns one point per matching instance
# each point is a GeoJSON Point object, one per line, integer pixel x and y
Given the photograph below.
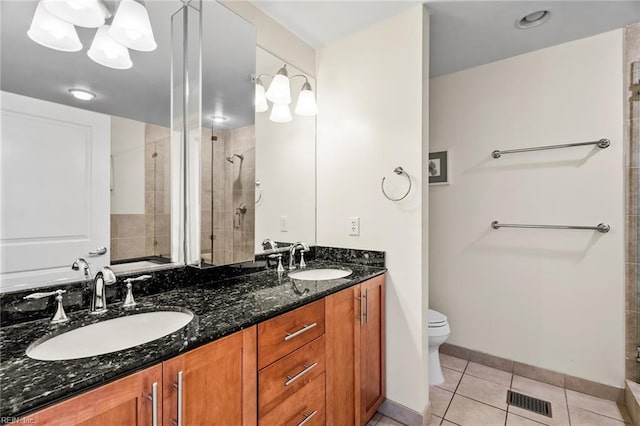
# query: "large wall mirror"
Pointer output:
{"type": "Point", "coordinates": [92, 173]}
{"type": "Point", "coordinates": [285, 197]}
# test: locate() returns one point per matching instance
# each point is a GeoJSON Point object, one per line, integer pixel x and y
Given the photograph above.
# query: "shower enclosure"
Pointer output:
{"type": "Point", "coordinates": [228, 192]}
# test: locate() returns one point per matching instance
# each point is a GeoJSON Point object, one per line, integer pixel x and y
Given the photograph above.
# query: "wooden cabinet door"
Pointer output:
{"type": "Point", "coordinates": [125, 402]}
{"type": "Point", "coordinates": [372, 347]}
{"type": "Point", "coordinates": [341, 326]}
{"type": "Point", "coordinates": [215, 384]}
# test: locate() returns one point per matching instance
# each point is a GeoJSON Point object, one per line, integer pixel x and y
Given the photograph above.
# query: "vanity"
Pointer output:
{"type": "Point", "coordinates": [262, 348]}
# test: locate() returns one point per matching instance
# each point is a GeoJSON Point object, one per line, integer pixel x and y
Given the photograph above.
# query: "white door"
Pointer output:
{"type": "Point", "coordinates": [54, 190]}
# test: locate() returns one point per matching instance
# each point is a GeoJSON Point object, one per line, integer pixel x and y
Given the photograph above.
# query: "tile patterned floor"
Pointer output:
{"type": "Point", "coordinates": [475, 395]}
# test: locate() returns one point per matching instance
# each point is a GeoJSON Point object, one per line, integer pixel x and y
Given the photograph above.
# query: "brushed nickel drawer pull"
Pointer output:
{"type": "Point", "coordinates": [307, 368]}
{"type": "Point", "coordinates": [307, 417]}
{"type": "Point", "coordinates": [304, 328]}
{"type": "Point", "coordinates": [154, 403]}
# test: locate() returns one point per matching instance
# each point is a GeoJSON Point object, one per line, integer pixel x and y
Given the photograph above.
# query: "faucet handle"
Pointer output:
{"type": "Point", "coordinates": [129, 301]}
{"type": "Point", "coordinates": [278, 256]}
{"type": "Point", "coordinates": [302, 262]}
{"type": "Point", "coordinates": [60, 315]}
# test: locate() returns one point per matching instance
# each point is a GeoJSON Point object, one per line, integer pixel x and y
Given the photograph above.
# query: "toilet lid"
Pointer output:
{"type": "Point", "coordinates": [436, 319]}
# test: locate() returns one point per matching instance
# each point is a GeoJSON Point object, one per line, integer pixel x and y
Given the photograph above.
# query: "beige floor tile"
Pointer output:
{"type": "Point", "coordinates": [374, 420]}
{"type": "Point", "coordinates": [596, 405]}
{"type": "Point", "coordinates": [386, 421]}
{"type": "Point", "coordinates": [467, 412]}
{"type": "Point", "coordinates": [488, 373]}
{"type": "Point", "coordinates": [580, 417]}
{"type": "Point", "coordinates": [447, 423]}
{"type": "Point", "coordinates": [513, 420]}
{"type": "Point", "coordinates": [451, 379]}
{"type": "Point", "coordinates": [452, 362]}
{"type": "Point", "coordinates": [483, 391]}
{"type": "Point", "coordinates": [435, 421]}
{"type": "Point", "coordinates": [440, 400]}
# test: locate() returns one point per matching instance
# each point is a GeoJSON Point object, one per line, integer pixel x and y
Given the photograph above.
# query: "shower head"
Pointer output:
{"type": "Point", "coordinates": [231, 157]}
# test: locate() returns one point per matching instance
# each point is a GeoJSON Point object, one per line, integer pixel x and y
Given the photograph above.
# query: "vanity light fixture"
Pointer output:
{"type": "Point", "coordinates": [53, 26]}
{"type": "Point", "coordinates": [108, 52]}
{"type": "Point", "coordinates": [83, 95]}
{"type": "Point", "coordinates": [81, 13]}
{"type": "Point", "coordinates": [52, 32]}
{"type": "Point", "coordinates": [279, 93]}
{"type": "Point", "coordinates": [132, 28]}
{"type": "Point", "coordinates": [280, 113]}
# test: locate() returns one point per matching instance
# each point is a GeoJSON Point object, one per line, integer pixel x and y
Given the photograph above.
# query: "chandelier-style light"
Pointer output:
{"type": "Point", "coordinates": [108, 52]}
{"type": "Point", "coordinates": [81, 13]}
{"type": "Point", "coordinates": [53, 26]}
{"type": "Point", "coordinates": [52, 32]}
{"type": "Point", "coordinates": [279, 93]}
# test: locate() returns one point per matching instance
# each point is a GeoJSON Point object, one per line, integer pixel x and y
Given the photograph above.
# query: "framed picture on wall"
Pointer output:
{"type": "Point", "coordinates": [439, 168]}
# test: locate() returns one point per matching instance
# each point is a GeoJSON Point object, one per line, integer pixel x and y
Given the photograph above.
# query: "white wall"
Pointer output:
{"type": "Point", "coordinates": [127, 152]}
{"type": "Point", "coordinates": [553, 299]}
{"type": "Point", "coordinates": [285, 167]}
{"type": "Point", "coordinates": [275, 38]}
{"type": "Point", "coordinates": [370, 100]}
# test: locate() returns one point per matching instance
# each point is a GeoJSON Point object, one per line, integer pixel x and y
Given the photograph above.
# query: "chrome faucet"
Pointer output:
{"type": "Point", "coordinates": [81, 263]}
{"type": "Point", "coordinates": [269, 244]}
{"type": "Point", "coordinates": [129, 301]}
{"type": "Point", "coordinates": [292, 255]}
{"type": "Point", "coordinates": [60, 315]}
{"type": "Point", "coordinates": [103, 278]}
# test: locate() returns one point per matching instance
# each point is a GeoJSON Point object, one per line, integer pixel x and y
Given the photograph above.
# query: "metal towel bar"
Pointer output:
{"type": "Point", "coordinates": [602, 143]}
{"type": "Point", "coordinates": [601, 227]}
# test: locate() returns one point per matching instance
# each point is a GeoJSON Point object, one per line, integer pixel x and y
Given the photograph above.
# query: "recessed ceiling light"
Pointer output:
{"type": "Point", "coordinates": [83, 95]}
{"type": "Point", "coordinates": [218, 118]}
{"type": "Point", "coordinates": [533, 19]}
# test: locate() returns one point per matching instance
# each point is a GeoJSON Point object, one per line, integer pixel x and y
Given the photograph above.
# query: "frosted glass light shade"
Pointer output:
{"type": "Point", "coordinates": [279, 91]}
{"type": "Point", "coordinates": [52, 32]}
{"type": "Point", "coordinates": [280, 113]}
{"type": "Point", "coordinates": [83, 13]}
{"type": "Point", "coordinates": [131, 27]}
{"type": "Point", "coordinates": [261, 99]}
{"type": "Point", "coordinates": [306, 104]}
{"type": "Point", "coordinates": [108, 52]}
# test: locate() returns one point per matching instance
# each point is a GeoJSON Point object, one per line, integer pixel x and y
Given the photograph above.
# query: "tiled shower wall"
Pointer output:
{"type": "Point", "coordinates": [227, 233]}
{"type": "Point", "coordinates": [148, 234]}
{"type": "Point", "coordinates": [632, 162]}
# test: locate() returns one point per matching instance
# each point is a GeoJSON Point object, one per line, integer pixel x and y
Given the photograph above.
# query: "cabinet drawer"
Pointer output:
{"type": "Point", "coordinates": [305, 407]}
{"type": "Point", "coordinates": [284, 334]}
{"type": "Point", "coordinates": [283, 378]}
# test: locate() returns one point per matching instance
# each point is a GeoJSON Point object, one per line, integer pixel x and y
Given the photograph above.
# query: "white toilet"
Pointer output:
{"type": "Point", "coordinates": [438, 333]}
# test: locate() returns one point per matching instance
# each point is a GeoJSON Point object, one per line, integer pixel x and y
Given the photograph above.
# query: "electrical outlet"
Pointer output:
{"type": "Point", "coordinates": [354, 225]}
{"type": "Point", "coordinates": [284, 223]}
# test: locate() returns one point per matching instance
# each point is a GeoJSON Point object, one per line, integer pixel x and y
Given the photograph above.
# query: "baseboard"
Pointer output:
{"type": "Point", "coordinates": [536, 373]}
{"type": "Point", "coordinates": [402, 414]}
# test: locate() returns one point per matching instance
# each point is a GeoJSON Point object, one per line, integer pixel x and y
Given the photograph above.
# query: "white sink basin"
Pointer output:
{"type": "Point", "coordinates": [109, 336]}
{"type": "Point", "coordinates": [320, 274]}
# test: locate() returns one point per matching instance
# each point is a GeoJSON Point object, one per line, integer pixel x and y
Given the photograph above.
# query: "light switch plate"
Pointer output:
{"type": "Point", "coordinates": [354, 226]}
{"type": "Point", "coordinates": [284, 223]}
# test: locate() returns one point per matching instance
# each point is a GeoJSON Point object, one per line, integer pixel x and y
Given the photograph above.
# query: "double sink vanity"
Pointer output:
{"type": "Point", "coordinates": [225, 346]}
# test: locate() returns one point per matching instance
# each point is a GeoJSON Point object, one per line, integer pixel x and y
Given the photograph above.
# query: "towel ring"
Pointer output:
{"type": "Point", "coordinates": [259, 191]}
{"type": "Point", "coordinates": [399, 171]}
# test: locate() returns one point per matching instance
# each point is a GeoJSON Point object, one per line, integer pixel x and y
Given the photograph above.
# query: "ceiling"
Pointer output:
{"type": "Point", "coordinates": [142, 92]}
{"type": "Point", "coordinates": [463, 34]}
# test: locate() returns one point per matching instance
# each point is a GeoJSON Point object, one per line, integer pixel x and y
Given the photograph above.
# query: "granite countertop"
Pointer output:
{"type": "Point", "coordinates": [219, 310]}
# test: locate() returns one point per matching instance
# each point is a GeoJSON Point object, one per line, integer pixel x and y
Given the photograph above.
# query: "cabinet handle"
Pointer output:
{"type": "Point", "coordinates": [98, 252]}
{"type": "Point", "coordinates": [154, 403]}
{"type": "Point", "coordinates": [366, 305]}
{"type": "Point", "coordinates": [304, 328]}
{"type": "Point", "coordinates": [307, 417]}
{"type": "Point", "coordinates": [178, 386]}
{"type": "Point", "coordinates": [307, 368]}
{"type": "Point", "coordinates": [361, 299]}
